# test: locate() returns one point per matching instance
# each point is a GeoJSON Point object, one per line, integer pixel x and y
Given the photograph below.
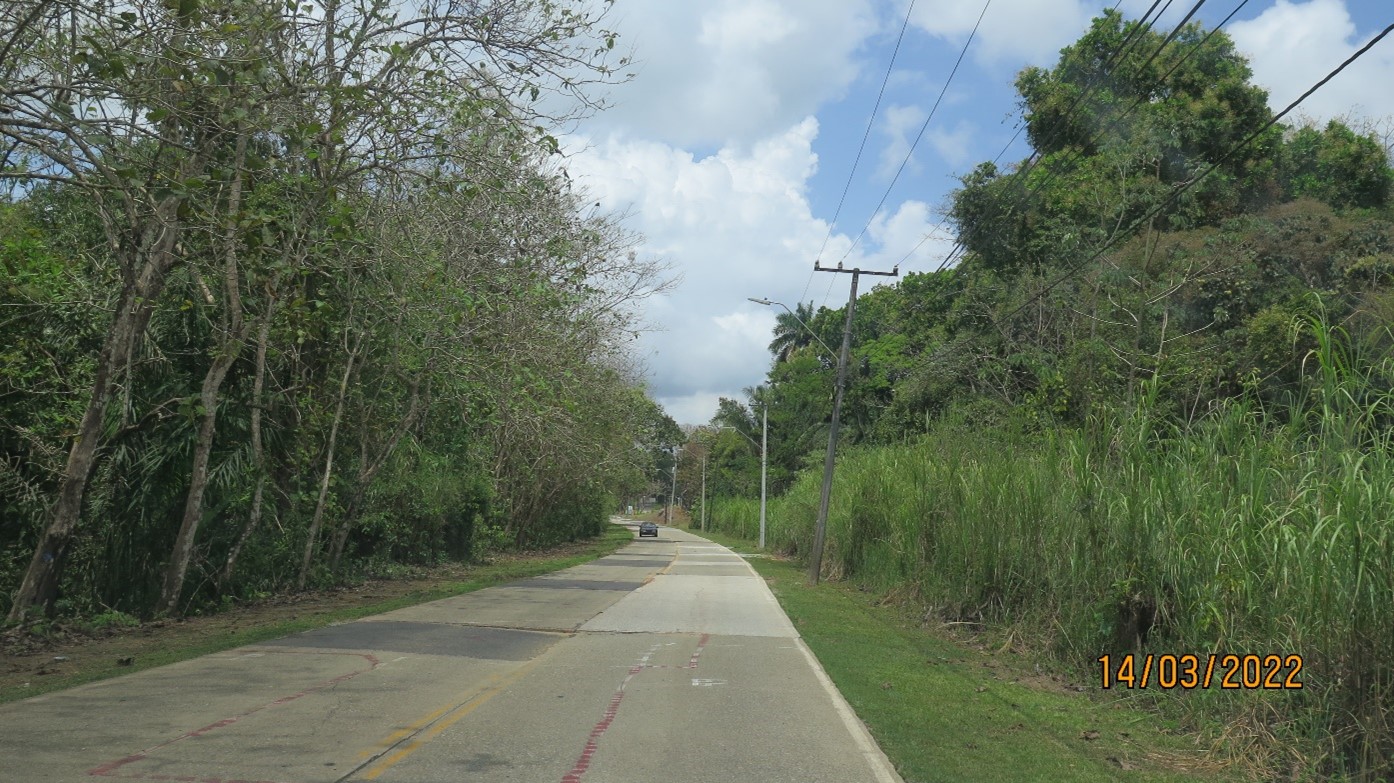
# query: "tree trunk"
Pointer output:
{"type": "Point", "coordinates": [39, 587]}
{"type": "Point", "coordinates": [258, 450]}
{"type": "Point", "coordinates": [367, 471]}
{"type": "Point", "coordinates": [234, 334]}
{"type": "Point", "coordinates": [198, 483]}
{"type": "Point", "coordinates": [318, 519]}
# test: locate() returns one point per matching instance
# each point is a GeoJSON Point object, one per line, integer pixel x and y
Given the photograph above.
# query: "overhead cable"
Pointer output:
{"type": "Point", "coordinates": [870, 122]}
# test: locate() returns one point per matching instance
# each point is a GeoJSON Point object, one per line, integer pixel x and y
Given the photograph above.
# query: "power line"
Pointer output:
{"type": "Point", "coordinates": [1134, 36]}
{"type": "Point", "coordinates": [920, 135]}
{"type": "Point", "coordinates": [1197, 47]}
{"type": "Point", "coordinates": [1095, 137]}
{"type": "Point", "coordinates": [1140, 29]}
{"type": "Point", "coordinates": [928, 235]}
{"type": "Point", "coordinates": [1088, 87]}
{"type": "Point", "coordinates": [828, 292]}
{"type": "Point", "coordinates": [909, 153]}
{"type": "Point", "coordinates": [1176, 193]}
{"type": "Point", "coordinates": [959, 248]}
{"type": "Point", "coordinates": [1181, 25]}
{"type": "Point", "coordinates": [870, 122]}
{"type": "Point", "coordinates": [866, 134]}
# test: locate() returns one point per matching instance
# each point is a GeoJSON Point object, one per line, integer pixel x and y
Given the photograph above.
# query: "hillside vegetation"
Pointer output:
{"type": "Point", "coordinates": [1148, 410]}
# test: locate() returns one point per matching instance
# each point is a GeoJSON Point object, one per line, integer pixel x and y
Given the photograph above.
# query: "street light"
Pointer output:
{"type": "Point", "coordinates": [673, 494]}
{"type": "Point", "coordinates": [764, 458]}
{"type": "Point", "coordinates": [704, 491]}
{"type": "Point", "coordinates": [814, 335]}
{"type": "Point", "coordinates": [815, 558]}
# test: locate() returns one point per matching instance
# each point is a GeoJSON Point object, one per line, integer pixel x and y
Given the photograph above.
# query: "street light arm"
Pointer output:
{"type": "Point", "coordinates": [738, 432]}
{"type": "Point", "coordinates": [768, 302]}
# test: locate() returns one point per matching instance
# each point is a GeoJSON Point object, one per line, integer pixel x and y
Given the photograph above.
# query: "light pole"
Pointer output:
{"type": "Point", "coordinates": [820, 525]}
{"type": "Point", "coordinates": [704, 492]}
{"type": "Point", "coordinates": [764, 452]}
{"type": "Point", "coordinates": [832, 440]}
{"type": "Point", "coordinates": [673, 493]}
{"type": "Point", "coordinates": [764, 459]}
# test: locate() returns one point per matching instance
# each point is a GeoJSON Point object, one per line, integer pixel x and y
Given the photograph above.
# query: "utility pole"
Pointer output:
{"type": "Point", "coordinates": [764, 441]}
{"type": "Point", "coordinates": [704, 492]}
{"type": "Point", "coordinates": [672, 494]}
{"type": "Point", "coordinates": [820, 527]}
{"type": "Point", "coordinates": [764, 438]}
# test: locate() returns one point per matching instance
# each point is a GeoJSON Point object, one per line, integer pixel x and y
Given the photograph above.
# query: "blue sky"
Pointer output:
{"type": "Point", "coordinates": [731, 147]}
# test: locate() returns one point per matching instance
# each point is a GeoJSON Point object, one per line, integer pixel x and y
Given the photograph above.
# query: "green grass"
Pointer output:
{"type": "Point", "coordinates": [185, 647]}
{"type": "Point", "coordinates": [1251, 531]}
{"type": "Point", "coordinates": [943, 711]}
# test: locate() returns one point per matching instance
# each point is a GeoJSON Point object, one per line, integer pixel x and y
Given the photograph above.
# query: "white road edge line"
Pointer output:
{"type": "Point", "coordinates": [875, 757]}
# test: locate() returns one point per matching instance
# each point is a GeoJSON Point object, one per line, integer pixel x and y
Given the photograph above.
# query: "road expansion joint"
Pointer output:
{"type": "Point", "coordinates": [641, 632]}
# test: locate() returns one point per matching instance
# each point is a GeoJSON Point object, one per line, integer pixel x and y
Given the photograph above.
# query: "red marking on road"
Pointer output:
{"type": "Point", "coordinates": [111, 769]}
{"type": "Point", "coordinates": [578, 770]}
{"type": "Point", "coordinates": [593, 742]}
{"type": "Point", "coordinates": [701, 645]}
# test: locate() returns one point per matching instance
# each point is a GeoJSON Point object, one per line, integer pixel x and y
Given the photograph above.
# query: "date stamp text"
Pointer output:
{"type": "Point", "coordinates": [1209, 670]}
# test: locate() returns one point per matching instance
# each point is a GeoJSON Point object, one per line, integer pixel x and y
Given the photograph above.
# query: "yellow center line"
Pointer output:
{"type": "Point", "coordinates": [667, 568]}
{"type": "Point", "coordinates": [434, 724]}
{"type": "Point", "coordinates": [671, 563]}
{"type": "Point", "coordinates": [406, 731]}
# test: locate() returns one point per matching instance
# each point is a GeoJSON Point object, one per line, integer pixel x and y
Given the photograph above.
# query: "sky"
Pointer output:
{"type": "Point", "coordinates": [731, 148]}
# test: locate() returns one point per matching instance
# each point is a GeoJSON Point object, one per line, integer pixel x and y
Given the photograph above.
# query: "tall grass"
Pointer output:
{"type": "Point", "coordinates": [1251, 532]}
{"type": "Point", "coordinates": [737, 516]}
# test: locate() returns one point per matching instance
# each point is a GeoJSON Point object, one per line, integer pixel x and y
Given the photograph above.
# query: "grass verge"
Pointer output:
{"type": "Point", "coordinates": [945, 710]}
{"type": "Point", "coordinates": [157, 644]}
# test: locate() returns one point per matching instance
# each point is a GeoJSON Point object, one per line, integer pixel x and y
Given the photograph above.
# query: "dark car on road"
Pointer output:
{"type": "Point", "coordinates": [648, 529]}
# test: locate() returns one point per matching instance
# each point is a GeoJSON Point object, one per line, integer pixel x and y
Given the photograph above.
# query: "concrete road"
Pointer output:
{"type": "Point", "coordinates": [667, 661]}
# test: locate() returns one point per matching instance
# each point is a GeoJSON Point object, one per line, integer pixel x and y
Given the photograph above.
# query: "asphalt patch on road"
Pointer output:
{"type": "Point", "coordinates": [495, 644]}
{"type": "Point", "coordinates": [577, 584]}
{"type": "Point", "coordinates": [631, 563]}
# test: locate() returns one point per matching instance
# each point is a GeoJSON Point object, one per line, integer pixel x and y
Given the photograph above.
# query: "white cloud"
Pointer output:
{"type": "Point", "coordinates": [901, 124]}
{"type": "Point", "coordinates": [736, 224]}
{"type": "Point", "coordinates": [914, 230]}
{"type": "Point", "coordinates": [695, 408]}
{"type": "Point", "coordinates": [954, 146]}
{"type": "Point", "coordinates": [713, 73]}
{"type": "Point", "coordinates": [1293, 45]}
{"type": "Point", "coordinates": [1012, 31]}
{"type": "Point", "coordinates": [912, 78]}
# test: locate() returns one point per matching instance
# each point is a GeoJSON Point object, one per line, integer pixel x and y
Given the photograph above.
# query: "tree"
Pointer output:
{"type": "Point", "coordinates": [244, 154]}
{"type": "Point", "coordinates": [1112, 137]}
{"type": "Point", "coordinates": [1182, 104]}
{"type": "Point", "coordinates": [132, 117]}
{"type": "Point", "coordinates": [790, 331]}
{"type": "Point", "coordinates": [1337, 166]}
